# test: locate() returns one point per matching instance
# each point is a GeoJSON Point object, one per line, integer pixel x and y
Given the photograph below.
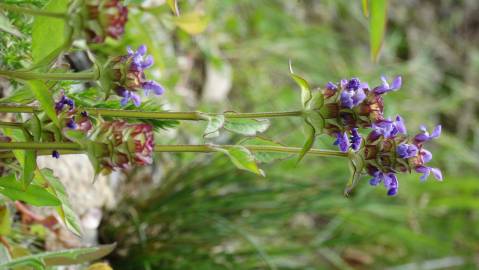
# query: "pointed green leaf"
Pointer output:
{"type": "Point", "coordinates": [377, 26]}
{"type": "Point", "coordinates": [310, 138]}
{"type": "Point", "coordinates": [316, 120]}
{"type": "Point", "coordinates": [241, 158]}
{"type": "Point", "coordinates": [306, 94]}
{"type": "Point", "coordinates": [215, 122]}
{"type": "Point", "coordinates": [65, 210]}
{"type": "Point", "coordinates": [63, 257]}
{"type": "Point", "coordinates": [20, 96]}
{"type": "Point", "coordinates": [44, 96]}
{"type": "Point", "coordinates": [248, 127]}
{"type": "Point", "coordinates": [76, 136]}
{"type": "Point", "coordinates": [317, 101]}
{"type": "Point", "coordinates": [192, 23]}
{"type": "Point", "coordinates": [29, 166]}
{"type": "Point", "coordinates": [265, 157]}
{"type": "Point", "coordinates": [6, 26]}
{"type": "Point", "coordinates": [35, 195]}
{"type": "Point", "coordinates": [36, 128]}
{"type": "Point", "coordinates": [48, 33]}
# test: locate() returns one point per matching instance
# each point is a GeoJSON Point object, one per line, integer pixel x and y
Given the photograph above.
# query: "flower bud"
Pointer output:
{"type": "Point", "coordinates": [105, 18]}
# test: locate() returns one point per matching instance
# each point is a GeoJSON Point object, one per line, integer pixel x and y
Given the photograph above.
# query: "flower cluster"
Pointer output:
{"type": "Point", "coordinates": [390, 150]}
{"type": "Point", "coordinates": [351, 104]}
{"type": "Point", "coordinates": [105, 18]}
{"type": "Point", "coordinates": [127, 73]}
{"type": "Point", "coordinates": [128, 144]}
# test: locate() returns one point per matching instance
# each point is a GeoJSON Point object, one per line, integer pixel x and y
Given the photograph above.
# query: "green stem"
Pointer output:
{"type": "Point", "coordinates": [201, 148]}
{"type": "Point", "coordinates": [27, 75]}
{"type": "Point", "coordinates": [195, 116]}
{"type": "Point", "coordinates": [11, 125]}
{"type": "Point", "coordinates": [34, 12]}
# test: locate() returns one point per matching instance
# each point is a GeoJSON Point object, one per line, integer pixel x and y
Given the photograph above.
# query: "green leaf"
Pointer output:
{"type": "Point", "coordinates": [76, 136]}
{"type": "Point", "coordinates": [5, 220]}
{"type": "Point", "coordinates": [192, 23]}
{"type": "Point", "coordinates": [173, 4]}
{"type": "Point", "coordinates": [310, 138]}
{"type": "Point", "coordinates": [317, 101]}
{"type": "Point", "coordinates": [35, 195]}
{"type": "Point", "coordinates": [29, 166]}
{"type": "Point", "coordinates": [241, 158]}
{"type": "Point", "coordinates": [36, 128]}
{"type": "Point", "coordinates": [21, 96]}
{"type": "Point", "coordinates": [248, 127]}
{"type": "Point", "coordinates": [63, 257]}
{"type": "Point", "coordinates": [356, 166]}
{"type": "Point", "coordinates": [377, 26]}
{"type": "Point", "coordinates": [6, 26]}
{"type": "Point", "coordinates": [365, 8]}
{"type": "Point", "coordinates": [215, 122]}
{"type": "Point", "coordinates": [265, 157]}
{"type": "Point", "coordinates": [306, 94]}
{"type": "Point", "coordinates": [65, 210]}
{"type": "Point", "coordinates": [43, 95]}
{"type": "Point", "coordinates": [48, 33]}
{"type": "Point", "coordinates": [4, 255]}
{"type": "Point", "coordinates": [316, 120]}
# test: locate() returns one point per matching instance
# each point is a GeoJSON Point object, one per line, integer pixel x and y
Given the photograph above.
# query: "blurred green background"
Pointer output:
{"type": "Point", "coordinates": [198, 212]}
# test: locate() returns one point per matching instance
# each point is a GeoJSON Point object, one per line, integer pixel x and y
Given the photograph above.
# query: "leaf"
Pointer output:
{"type": "Point", "coordinates": [316, 120]}
{"type": "Point", "coordinates": [6, 26]}
{"type": "Point", "coordinates": [248, 127]}
{"type": "Point", "coordinates": [21, 96]}
{"type": "Point", "coordinates": [356, 166]}
{"type": "Point", "coordinates": [76, 136]}
{"type": "Point", "coordinates": [241, 158]}
{"type": "Point", "coordinates": [316, 102]}
{"type": "Point", "coordinates": [265, 157]}
{"type": "Point", "coordinates": [215, 122]}
{"type": "Point", "coordinates": [365, 8]}
{"type": "Point", "coordinates": [5, 220]}
{"type": "Point", "coordinates": [192, 23]}
{"type": "Point", "coordinates": [48, 33]}
{"type": "Point", "coordinates": [43, 95]}
{"type": "Point", "coordinates": [34, 195]}
{"type": "Point", "coordinates": [377, 26]}
{"type": "Point", "coordinates": [29, 166]}
{"type": "Point", "coordinates": [65, 210]}
{"type": "Point", "coordinates": [63, 257]}
{"type": "Point", "coordinates": [173, 4]}
{"type": "Point", "coordinates": [304, 85]}
{"type": "Point", "coordinates": [36, 128]}
{"type": "Point", "coordinates": [4, 255]}
{"type": "Point", "coordinates": [310, 138]}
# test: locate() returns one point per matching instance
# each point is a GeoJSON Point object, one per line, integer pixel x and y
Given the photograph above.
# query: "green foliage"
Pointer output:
{"type": "Point", "coordinates": [264, 157]}
{"type": "Point", "coordinates": [34, 194]}
{"type": "Point", "coordinates": [377, 26]}
{"type": "Point", "coordinates": [247, 127]}
{"type": "Point", "coordinates": [65, 257]}
{"type": "Point", "coordinates": [49, 34]}
{"type": "Point", "coordinates": [242, 158]}
{"type": "Point", "coordinates": [44, 96]}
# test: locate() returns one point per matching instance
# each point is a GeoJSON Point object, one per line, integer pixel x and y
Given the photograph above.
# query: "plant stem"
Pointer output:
{"type": "Point", "coordinates": [27, 75]}
{"type": "Point", "coordinates": [194, 116]}
{"type": "Point", "coordinates": [201, 148]}
{"type": "Point", "coordinates": [34, 12]}
{"type": "Point", "coordinates": [11, 125]}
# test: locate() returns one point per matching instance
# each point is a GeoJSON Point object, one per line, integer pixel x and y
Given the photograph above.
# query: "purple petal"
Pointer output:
{"type": "Point", "coordinates": [437, 173]}
{"type": "Point", "coordinates": [401, 127]}
{"type": "Point", "coordinates": [346, 99]}
{"type": "Point", "coordinates": [148, 62]}
{"type": "Point", "coordinates": [377, 178]}
{"type": "Point", "coordinates": [379, 90]}
{"type": "Point", "coordinates": [392, 191]}
{"type": "Point", "coordinates": [136, 99]}
{"type": "Point", "coordinates": [142, 50]}
{"type": "Point", "coordinates": [424, 170]}
{"type": "Point", "coordinates": [152, 85]}
{"type": "Point", "coordinates": [55, 154]}
{"type": "Point", "coordinates": [397, 82]}
{"type": "Point", "coordinates": [364, 86]}
{"type": "Point", "coordinates": [130, 51]}
{"type": "Point", "coordinates": [426, 155]}
{"type": "Point", "coordinates": [358, 97]}
{"type": "Point", "coordinates": [331, 86]}
{"type": "Point", "coordinates": [385, 82]}
{"type": "Point", "coordinates": [436, 132]}
{"type": "Point", "coordinates": [343, 83]}
{"type": "Point", "coordinates": [342, 141]}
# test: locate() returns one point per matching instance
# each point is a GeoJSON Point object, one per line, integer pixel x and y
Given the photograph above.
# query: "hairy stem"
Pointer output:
{"type": "Point", "coordinates": [194, 116]}
{"type": "Point", "coordinates": [34, 12]}
{"type": "Point", "coordinates": [73, 148]}
{"type": "Point", "coordinates": [27, 75]}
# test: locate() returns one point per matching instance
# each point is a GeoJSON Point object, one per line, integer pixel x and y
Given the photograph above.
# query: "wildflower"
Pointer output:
{"type": "Point", "coordinates": [389, 180]}
{"type": "Point", "coordinates": [342, 141]}
{"type": "Point", "coordinates": [55, 154]}
{"type": "Point", "coordinates": [384, 88]}
{"type": "Point", "coordinates": [105, 18]}
{"type": "Point", "coordinates": [64, 101]}
{"type": "Point", "coordinates": [71, 123]}
{"type": "Point", "coordinates": [129, 77]}
{"type": "Point", "coordinates": [131, 144]}
{"type": "Point", "coordinates": [356, 139]}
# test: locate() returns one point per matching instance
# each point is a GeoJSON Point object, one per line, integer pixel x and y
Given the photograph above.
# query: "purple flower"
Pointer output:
{"type": "Point", "coordinates": [351, 98]}
{"type": "Point", "coordinates": [55, 154]}
{"type": "Point", "coordinates": [389, 180]}
{"type": "Point", "coordinates": [355, 139]}
{"type": "Point", "coordinates": [152, 85]}
{"type": "Point", "coordinates": [353, 84]}
{"type": "Point", "coordinates": [331, 86]}
{"type": "Point", "coordinates": [385, 87]}
{"type": "Point", "coordinates": [424, 135]}
{"type": "Point", "coordinates": [342, 141]}
{"type": "Point", "coordinates": [71, 123]}
{"type": "Point", "coordinates": [426, 171]}
{"type": "Point", "coordinates": [388, 128]}
{"type": "Point", "coordinates": [127, 96]}
{"type": "Point", "coordinates": [64, 101]}
{"type": "Point", "coordinates": [406, 150]}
